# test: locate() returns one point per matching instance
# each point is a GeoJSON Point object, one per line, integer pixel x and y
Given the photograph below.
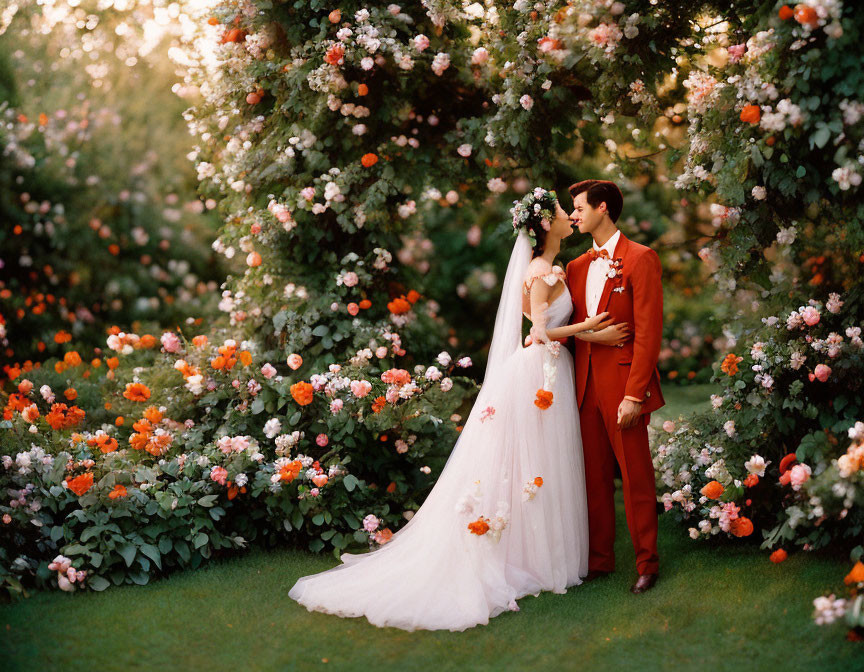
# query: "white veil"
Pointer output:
{"type": "Point", "coordinates": [507, 334]}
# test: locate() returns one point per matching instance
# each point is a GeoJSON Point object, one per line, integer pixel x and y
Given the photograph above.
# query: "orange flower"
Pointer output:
{"type": "Point", "coordinates": [751, 114]}
{"type": "Point", "coordinates": [72, 358]}
{"type": "Point", "coordinates": [479, 526]}
{"type": "Point", "coordinates": [399, 306]}
{"type": "Point", "coordinates": [80, 484]}
{"type": "Point", "coordinates": [392, 487]}
{"type": "Point", "coordinates": [232, 490]}
{"type": "Point", "coordinates": [778, 556]}
{"type": "Point", "coordinates": [856, 575]}
{"type": "Point", "coordinates": [105, 443]}
{"type": "Point", "coordinates": [396, 377]}
{"type": "Point", "coordinates": [369, 160]}
{"type": "Point", "coordinates": [290, 471]}
{"type": "Point", "coordinates": [136, 392]}
{"type": "Point", "coordinates": [112, 362]}
{"type": "Point", "coordinates": [362, 90]}
{"type": "Point", "coordinates": [335, 54]}
{"type": "Point", "coordinates": [378, 404]}
{"type": "Point", "coordinates": [62, 417]}
{"type": "Point", "coordinates": [153, 415]}
{"type": "Point", "coordinates": [538, 481]}
{"type": "Point", "coordinates": [544, 399]}
{"type": "Point", "coordinates": [712, 490]}
{"type": "Point", "coordinates": [413, 296]}
{"type": "Point", "coordinates": [751, 480]}
{"type": "Point", "coordinates": [806, 16]}
{"type": "Point", "coordinates": [741, 527]}
{"type": "Point", "coordinates": [245, 357]}
{"type": "Point", "coordinates": [729, 365]}
{"type": "Point", "coordinates": [118, 491]}
{"type": "Point", "coordinates": [71, 394]}
{"type": "Point", "coordinates": [365, 304]}
{"type": "Point", "coordinates": [302, 393]}
{"type": "Point", "coordinates": [383, 536]}
{"type": "Point", "coordinates": [785, 13]}
{"type": "Point", "coordinates": [199, 341]}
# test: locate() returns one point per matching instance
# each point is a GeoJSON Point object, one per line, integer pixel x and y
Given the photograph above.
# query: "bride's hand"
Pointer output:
{"type": "Point", "coordinates": [599, 321]}
{"type": "Point", "coordinates": [613, 335]}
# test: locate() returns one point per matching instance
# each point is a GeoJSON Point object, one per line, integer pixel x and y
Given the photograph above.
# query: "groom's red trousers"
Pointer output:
{"type": "Point", "coordinates": [603, 441]}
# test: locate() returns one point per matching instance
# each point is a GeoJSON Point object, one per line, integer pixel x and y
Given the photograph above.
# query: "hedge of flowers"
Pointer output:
{"type": "Point", "coordinates": [170, 451]}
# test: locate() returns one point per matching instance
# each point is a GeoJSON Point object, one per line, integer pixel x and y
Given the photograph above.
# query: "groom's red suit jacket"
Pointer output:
{"type": "Point", "coordinates": [634, 296]}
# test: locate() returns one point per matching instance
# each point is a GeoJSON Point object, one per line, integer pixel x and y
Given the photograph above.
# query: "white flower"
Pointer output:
{"type": "Point", "coordinates": [759, 193]}
{"type": "Point", "coordinates": [729, 427]}
{"type": "Point", "coordinates": [272, 427]}
{"type": "Point", "coordinates": [444, 359]}
{"type": "Point", "coordinates": [526, 101]}
{"type": "Point", "coordinates": [756, 465]}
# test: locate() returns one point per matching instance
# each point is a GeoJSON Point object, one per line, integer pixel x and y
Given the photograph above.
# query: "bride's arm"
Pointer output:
{"type": "Point", "coordinates": [539, 298]}
{"type": "Point", "coordinates": [595, 323]}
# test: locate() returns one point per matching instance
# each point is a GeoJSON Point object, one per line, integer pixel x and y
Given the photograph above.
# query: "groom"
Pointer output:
{"type": "Point", "coordinates": [617, 386]}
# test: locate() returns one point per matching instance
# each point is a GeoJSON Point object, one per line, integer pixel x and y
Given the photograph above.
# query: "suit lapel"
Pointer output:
{"type": "Point", "coordinates": [620, 251]}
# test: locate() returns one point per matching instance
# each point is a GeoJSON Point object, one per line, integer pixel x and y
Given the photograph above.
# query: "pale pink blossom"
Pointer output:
{"type": "Point", "coordinates": [171, 342]}
{"type": "Point", "coordinates": [360, 388]}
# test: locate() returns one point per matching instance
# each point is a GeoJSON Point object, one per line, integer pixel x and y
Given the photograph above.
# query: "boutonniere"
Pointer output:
{"type": "Point", "coordinates": [616, 267]}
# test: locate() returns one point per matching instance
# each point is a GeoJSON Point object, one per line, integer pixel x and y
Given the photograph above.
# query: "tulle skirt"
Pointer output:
{"type": "Point", "coordinates": [516, 469]}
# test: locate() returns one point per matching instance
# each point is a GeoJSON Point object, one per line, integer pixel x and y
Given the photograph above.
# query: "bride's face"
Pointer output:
{"type": "Point", "coordinates": [561, 226]}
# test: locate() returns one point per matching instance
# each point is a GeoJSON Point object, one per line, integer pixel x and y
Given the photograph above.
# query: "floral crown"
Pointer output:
{"type": "Point", "coordinates": [537, 208]}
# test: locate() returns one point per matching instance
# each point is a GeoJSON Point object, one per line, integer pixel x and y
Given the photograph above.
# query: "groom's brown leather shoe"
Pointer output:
{"type": "Point", "coordinates": [643, 583]}
{"type": "Point", "coordinates": [595, 574]}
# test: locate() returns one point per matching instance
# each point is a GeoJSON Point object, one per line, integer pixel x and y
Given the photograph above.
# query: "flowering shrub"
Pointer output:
{"type": "Point", "coordinates": [194, 456]}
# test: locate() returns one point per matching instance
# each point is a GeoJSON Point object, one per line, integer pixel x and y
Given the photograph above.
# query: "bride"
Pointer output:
{"type": "Point", "coordinates": [507, 517]}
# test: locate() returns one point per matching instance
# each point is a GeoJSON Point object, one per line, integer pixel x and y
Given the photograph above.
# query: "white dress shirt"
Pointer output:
{"type": "Point", "coordinates": [597, 271]}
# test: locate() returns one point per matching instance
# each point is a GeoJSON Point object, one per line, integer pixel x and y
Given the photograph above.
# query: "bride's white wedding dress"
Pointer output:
{"type": "Point", "coordinates": [436, 573]}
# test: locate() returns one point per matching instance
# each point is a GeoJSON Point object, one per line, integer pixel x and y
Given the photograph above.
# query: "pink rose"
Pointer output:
{"type": "Point", "coordinates": [736, 51]}
{"type": "Point", "coordinates": [314, 492]}
{"type": "Point", "coordinates": [336, 406]}
{"type": "Point", "coordinates": [308, 193]}
{"type": "Point", "coordinates": [392, 395]}
{"type": "Point", "coordinates": [170, 342]}
{"type": "Point", "coordinates": [239, 443]}
{"type": "Point", "coordinates": [350, 279]}
{"type": "Point", "coordinates": [810, 315]}
{"type": "Point", "coordinates": [798, 475]}
{"type": "Point", "coordinates": [421, 42]}
{"type": "Point", "coordinates": [268, 371]}
{"type": "Point", "coordinates": [360, 388]}
{"type": "Point", "coordinates": [320, 480]}
{"type": "Point", "coordinates": [371, 523]}
{"type": "Point", "coordinates": [322, 440]}
{"type": "Point", "coordinates": [822, 372]}
{"type": "Point", "coordinates": [381, 352]}
{"type": "Point", "coordinates": [668, 426]}
{"type": "Point", "coordinates": [219, 474]}
{"type": "Point", "coordinates": [295, 361]}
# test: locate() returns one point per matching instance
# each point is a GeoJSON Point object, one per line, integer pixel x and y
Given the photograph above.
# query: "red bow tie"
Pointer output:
{"type": "Point", "coordinates": [593, 254]}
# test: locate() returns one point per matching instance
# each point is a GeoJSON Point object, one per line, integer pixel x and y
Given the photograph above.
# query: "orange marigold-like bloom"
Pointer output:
{"type": "Point", "coordinates": [544, 399]}
{"type": "Point", "coordinates": [785, 13]}
{"type": "Point", "coordinates": [62, 417]}
{"type": "Point", "coordinates": [147, 341]}
{"type": "Point", "coordinates": [62, 337]}
{"type": "Point", "coordinates": [71, 394]}
{"type": "Point", "coordinates": [379, 404]}
{"type": "Point", "coordinates": [479, 526]}
{"type": "Point", "coordinates": [712, 489]}
{"type": "Point", "coordinates": [199, 341]}
{"type": "Point", "coordinates": [538, 481]}
{"type": "Point", "coordinates": [139, 440]}
{"type": "Point", "coordinates": [365, 304]}
{"type": "Point", "coordinates": [136, 392]}
{"type": "Point", "coordinates": [153, 414]}
{"type": "Point", "coordinates": [729, 365]}
{"type": "Point", "coordinates": [413, 296]}
{"type": "Point", "coordinates": [806, 16]}
{"type": "Point", "coordinates": [158, 444]}
{"type": "Point", "coordinates": [290, 471]}
{"type": "Point", "coordinates": [751, 114]}
{"type": "Point", "coordinates": [751, 480]}
{"type": "Point", "coordinates": [741, 527]}
{"type": "Point", "coordinates": [80, 484]}
{"type": "Point", "coordinates": [245, 358]}
{"type": "Point", "coordinates": [118, 491]}
{"type": "Point", "coordinates": [105, 443]}
{"type": "Point", "coordinates": [856, 575]}
{"type": "Point", "coordinates": [72, 358]}
{"type": "Point", "coordinates": [112, 362]}
{"type": "Point", "coordinates": [334, 54]}
{"type": "Point", "coordinates": [302, 393]}
{"type": "Point", "coordinates": [399, 306]}
{"type": "Point", "coordinates": [369, 160]}
{"type": "Point", "coordinates": [778, 556]}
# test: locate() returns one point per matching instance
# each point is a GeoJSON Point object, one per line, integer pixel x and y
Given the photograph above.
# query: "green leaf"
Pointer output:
{"type": "Point", "coordinates": [801, 172]}
{"type": "Point", "coordinates": [316, 545]}
{"type": "Point", "coordinates": [321, 330]}
{"type": "Point", "coordinates": [350, 482]}
{"type": "Point", "coordinates": [98, 582]}
{"type": "Point", "coordinates": [200, 540]}
{"type": "Point", "coordinates": [208, 500]}
{"type": "Point", "coordinates": [127, 551]}
{"type": "Point", "coordinates": [153, 553]}
{"type": "Point", "coordinates": [96, 559]}
{"type": "Point", "coordinates": [318, 518]}
{"type": "Point", "coordinates": [257, 405]}
{"type": "Point", "coordinates": [165, 545]}
{"type": "Point", "coordinates": [182, 549]}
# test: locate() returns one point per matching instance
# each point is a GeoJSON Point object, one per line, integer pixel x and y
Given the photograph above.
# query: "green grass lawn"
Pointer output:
{"type": "Point", "coordinates": [722, 607]}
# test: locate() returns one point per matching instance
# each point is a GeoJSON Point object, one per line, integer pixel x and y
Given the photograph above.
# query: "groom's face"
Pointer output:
{"type": "Point", "coordinates": [584, 215]}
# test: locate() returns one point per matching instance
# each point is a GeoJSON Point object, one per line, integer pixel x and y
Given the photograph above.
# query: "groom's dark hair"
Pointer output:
{"type": "Point", "coordinates": [600, 191]}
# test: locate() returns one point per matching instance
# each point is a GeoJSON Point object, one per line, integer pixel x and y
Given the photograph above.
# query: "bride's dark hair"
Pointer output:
{"type": "Point", "coordinates": [534, 213]}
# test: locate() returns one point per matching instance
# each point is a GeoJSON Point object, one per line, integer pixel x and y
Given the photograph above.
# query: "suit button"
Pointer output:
{"type": "Point", "coordinates": [647, 394]}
